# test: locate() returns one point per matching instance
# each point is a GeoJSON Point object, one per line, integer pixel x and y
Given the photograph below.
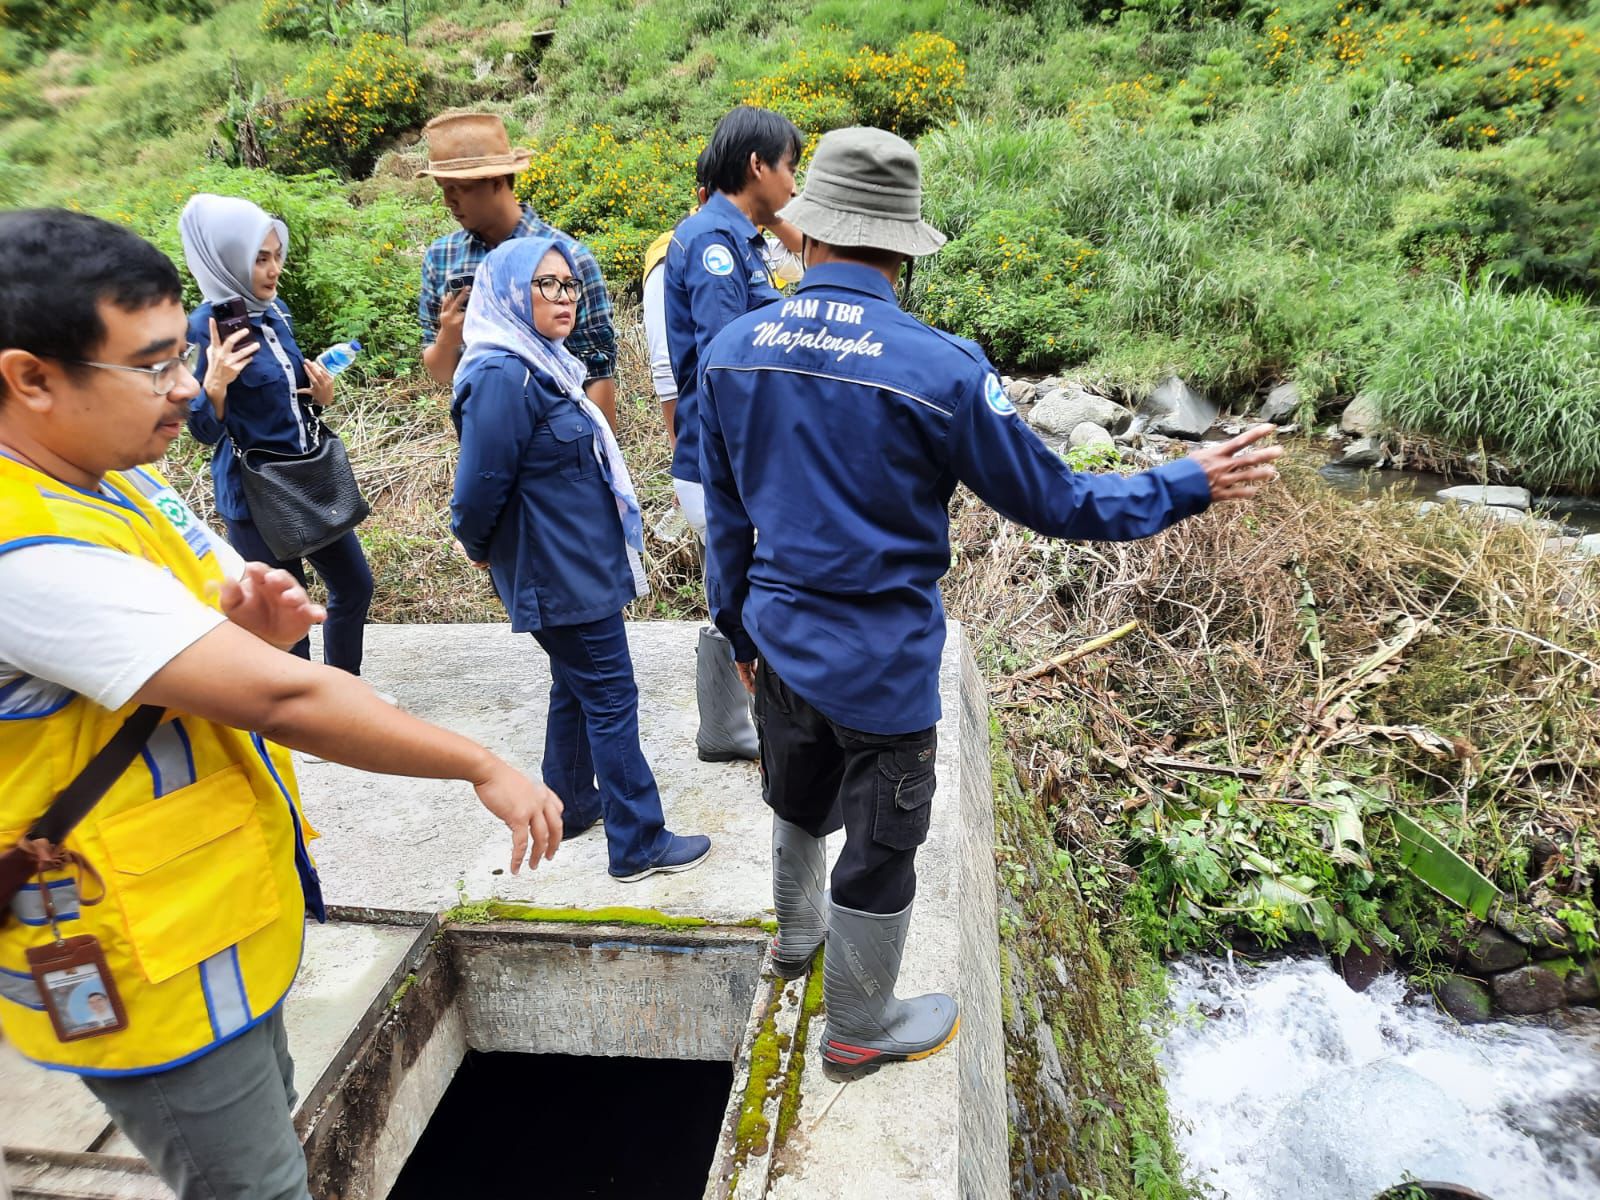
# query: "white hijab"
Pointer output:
{"type": "Point", "coordinates": [221, 237]}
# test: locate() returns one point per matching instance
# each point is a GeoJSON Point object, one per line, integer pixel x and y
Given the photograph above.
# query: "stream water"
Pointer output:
{"type": "Point", "coordinates": [1579, 514]}
{"type": "Point", "coordinates": [1285, 1083]}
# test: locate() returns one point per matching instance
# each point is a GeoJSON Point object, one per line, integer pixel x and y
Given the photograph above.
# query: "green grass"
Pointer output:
{"type": "Point", "coordinates": [1518, 373]}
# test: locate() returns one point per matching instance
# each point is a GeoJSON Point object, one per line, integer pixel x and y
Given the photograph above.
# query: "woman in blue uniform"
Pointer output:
{"type": "Point", "coordinates": [262, 393]}
{"type": "Point", "coordinates": [543, 501]}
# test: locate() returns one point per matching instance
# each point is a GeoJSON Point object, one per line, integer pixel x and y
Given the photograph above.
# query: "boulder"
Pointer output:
{"type": "Point", "coordinates": [1363, 452]}
{"type": "Point", "coordinates": [1488, 950]}
{"type": "Point", "coordinates": [1464, 998]}
{"type": "Point", "coordinates": [1588, 545]}
{"type": "Point", "coordinates": [1530, 989]}
{"type": "Point", "coordinates": [1176, 409]}
{"type": "Point", "coordinates": [1427, 506]}
{"type": "Point", "coordinates": [1063, 409]}
{"type": "Point", "coordinates": [1021, 391]}
{"type": "Point", "coordinates": [1360, 417]}
{"type": "Point", "coordinates": [1583, 984]}
{"type": "Point", "coordinates": [1281, 404]}
{"type": "Point", "coordinates": [1505, 515]}
{"type": "Point", "coordinates": [1477, 493]}
{"type": "Point", "coordinates": [1089, 434]}
{"type": "Point", "coordinates": [1360, 969]}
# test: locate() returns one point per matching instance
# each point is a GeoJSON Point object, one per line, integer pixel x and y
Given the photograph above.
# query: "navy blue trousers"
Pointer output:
{"type": "Point", "coordinates": [593, 730]}
{"type": "Point", "coordinates": [343, 568]}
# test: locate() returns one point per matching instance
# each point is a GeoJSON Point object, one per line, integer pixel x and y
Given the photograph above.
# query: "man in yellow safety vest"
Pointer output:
{"type": "Point", "coordinates": [151, 952]}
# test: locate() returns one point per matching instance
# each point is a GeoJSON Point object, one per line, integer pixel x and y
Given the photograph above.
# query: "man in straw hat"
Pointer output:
{"type": "Point", "coordinates": [839, 427]}
{"type": "Point", "coordinates": [471, 158]}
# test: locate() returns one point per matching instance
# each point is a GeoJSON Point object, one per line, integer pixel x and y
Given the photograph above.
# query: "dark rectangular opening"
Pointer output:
{"type": "Point", "coordinates": [562, 1127]}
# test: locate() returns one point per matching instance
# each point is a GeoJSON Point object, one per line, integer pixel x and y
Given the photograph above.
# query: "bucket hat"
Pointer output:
{"type": "Point", "coordinates": [864, 188]}
{"type": "Point", "coordinates": [471, 146]}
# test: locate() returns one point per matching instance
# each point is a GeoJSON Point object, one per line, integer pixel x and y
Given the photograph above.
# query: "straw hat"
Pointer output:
{"type": "Point", "coordinates": [471, 146]}
{"type": "Point", "coordinates": [864, 188]}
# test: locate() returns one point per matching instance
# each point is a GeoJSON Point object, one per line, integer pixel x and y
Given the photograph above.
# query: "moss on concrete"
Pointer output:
{"type": "Point", "coordinates": [406, 984]}
{"type": "Point", "coordinates": [766, 1055]}
{"type": "Point", "coordinates": [1089, 1109]}
{"type": "Point", "coordinates": [789, 1106]}
{"type": "Point", "coordinates": [479, 912]}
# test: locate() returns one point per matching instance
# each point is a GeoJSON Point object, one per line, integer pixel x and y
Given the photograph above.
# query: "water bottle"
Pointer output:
{"type": "Point", "coordinates": [336, 358]}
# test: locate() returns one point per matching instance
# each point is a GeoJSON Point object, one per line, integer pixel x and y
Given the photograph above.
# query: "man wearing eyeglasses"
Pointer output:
{"type": "Point", "coordinates": [184, 889]}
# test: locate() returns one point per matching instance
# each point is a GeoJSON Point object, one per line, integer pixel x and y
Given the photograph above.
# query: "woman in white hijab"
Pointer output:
{"type": "Point", "coordinates": [262, 393]}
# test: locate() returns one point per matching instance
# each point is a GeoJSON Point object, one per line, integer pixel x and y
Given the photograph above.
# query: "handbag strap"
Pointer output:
{"type": "Point", "coordinates": [83, 793]}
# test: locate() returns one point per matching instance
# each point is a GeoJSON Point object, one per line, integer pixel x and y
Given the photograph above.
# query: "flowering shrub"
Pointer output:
{"type": "Point", "coordinates": [345, 102]}
{"type": "Point", "coordinates": [1490, 73]}
{"type": "Point", "coordinates": [908, 90]}
{"type": "Point", "coordinates": [1015, 282]}
{"type": "Point", "coordinates": [616, 194]}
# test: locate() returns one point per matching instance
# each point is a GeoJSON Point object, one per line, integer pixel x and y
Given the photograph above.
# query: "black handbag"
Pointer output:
{"type": "Point", "coordinates": [302, 502]}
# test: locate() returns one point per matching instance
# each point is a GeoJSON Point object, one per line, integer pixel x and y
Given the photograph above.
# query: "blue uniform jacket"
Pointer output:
{"type": "Point", "coordinates": [262, 411]}
{"type": "Point", "coordinates": [530, 500]}
{"type": "Point", "coordinates": [715, 272]}
{"type": "Point", "coordinates": [839, 427]}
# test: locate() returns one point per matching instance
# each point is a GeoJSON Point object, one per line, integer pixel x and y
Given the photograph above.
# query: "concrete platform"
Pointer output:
{"type": "Point", "coordinates": [345, 969]}
{"type": "Point", "coordinates": [397, 852]}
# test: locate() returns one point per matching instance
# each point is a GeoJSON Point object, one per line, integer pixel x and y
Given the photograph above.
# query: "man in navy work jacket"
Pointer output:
{"type": "Point", "coordinates": [715, 271]}
{"type": "Point", "coordinates": [471, 159]}
{"type": "Point", "coordinates": [839, 427]}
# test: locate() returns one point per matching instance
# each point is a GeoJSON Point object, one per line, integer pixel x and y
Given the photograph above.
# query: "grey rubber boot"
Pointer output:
{"type": "Point", "coordinates": [867, 1024]}
{"type": "Point", "coordinates": [726, 732]}
{"type": "Point", "coordinates": [799, 871]}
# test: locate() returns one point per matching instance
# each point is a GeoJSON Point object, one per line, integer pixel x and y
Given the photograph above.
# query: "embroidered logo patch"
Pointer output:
{"type": "Point", "coordinates": [996, 397]}
{"type": "Point", "coordinates": [717, 259]}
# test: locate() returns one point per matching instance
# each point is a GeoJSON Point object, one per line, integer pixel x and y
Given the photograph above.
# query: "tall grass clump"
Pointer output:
{"type": "Point", "coordinates": [1517, 373]}
{"type": "Point", "coordinates": [1247, 250]}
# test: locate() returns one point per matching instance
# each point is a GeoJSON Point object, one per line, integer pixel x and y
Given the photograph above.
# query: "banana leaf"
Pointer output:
{"type": "Point", "coordinates": [1442, 869]}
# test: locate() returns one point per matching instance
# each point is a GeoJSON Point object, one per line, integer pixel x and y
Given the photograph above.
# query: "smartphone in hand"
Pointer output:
{"type": "Point", "coordinates": [231, 317]}
{"type": "Point", "coordinates": [459, 283]}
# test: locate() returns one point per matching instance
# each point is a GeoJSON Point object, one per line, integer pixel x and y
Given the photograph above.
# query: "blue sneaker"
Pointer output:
{"type": "Point", "coordinates": [682, 854]}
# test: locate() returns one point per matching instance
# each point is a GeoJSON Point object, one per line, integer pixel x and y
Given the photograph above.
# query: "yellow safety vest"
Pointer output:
{"type": "Point", "coordinates": [200, 843]}
{"type": "Point", "coordinates": [656, 252]}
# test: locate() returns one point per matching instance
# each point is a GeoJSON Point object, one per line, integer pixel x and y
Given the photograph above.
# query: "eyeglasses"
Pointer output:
{"type": "Point", "coordinates": [553, 288]}
{"type": "Point", "coordinates": [164, 375]}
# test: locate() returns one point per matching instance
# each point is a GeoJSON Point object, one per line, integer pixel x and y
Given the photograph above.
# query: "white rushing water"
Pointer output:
{"type": "Point", "coordinates": [1285, 1083]}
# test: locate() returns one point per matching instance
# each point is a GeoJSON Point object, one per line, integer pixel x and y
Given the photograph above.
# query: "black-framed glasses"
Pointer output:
{"type": "Point", "coordinates": [553, 288]}
{"type": "Point", "coordinates": [164, 375]}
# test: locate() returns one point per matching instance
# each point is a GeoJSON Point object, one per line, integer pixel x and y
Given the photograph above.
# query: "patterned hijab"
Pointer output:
{"type": "Point", "coordinates": [500, 322]}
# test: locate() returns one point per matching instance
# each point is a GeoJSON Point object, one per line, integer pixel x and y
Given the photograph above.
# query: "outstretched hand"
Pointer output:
{"type": "Point", "coordinates": [270, 603]}
{"type": "Point", "coordinates": [529, 809]}
{"type": "Point", "coordinates": [1234, 471]}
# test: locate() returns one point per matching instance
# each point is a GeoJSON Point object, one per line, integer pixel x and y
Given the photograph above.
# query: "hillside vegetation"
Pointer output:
{"type": "Point", "coordinates": [1395, 195]}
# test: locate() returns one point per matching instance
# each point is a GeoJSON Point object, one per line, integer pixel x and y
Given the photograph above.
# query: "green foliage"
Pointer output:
{"type": "Point", "coordinates": [19, 97]}
{"type": "Point", "coordinates": [142, 42]}
{"type": "Point", "coordinates": [1215, 864]}
{"type": "Point", "coordinates": [345, 103]}
{"type": "Point", "coordinates": [299, 20]}
{"type": "Point", "coordinates": [1515, 373]}
{"type": "Point", "coordinates": [46, 23]}
{"type": "Point", "coordinates": [1527, 213]}
{"type": "Point", "coordinates": [616, 194]}
{"type": "Point", "coordinates": [1020, 284]}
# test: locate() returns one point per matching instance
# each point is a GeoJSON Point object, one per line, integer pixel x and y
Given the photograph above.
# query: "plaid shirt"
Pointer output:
{"type": "Point", "coordinates": [593, 341]}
